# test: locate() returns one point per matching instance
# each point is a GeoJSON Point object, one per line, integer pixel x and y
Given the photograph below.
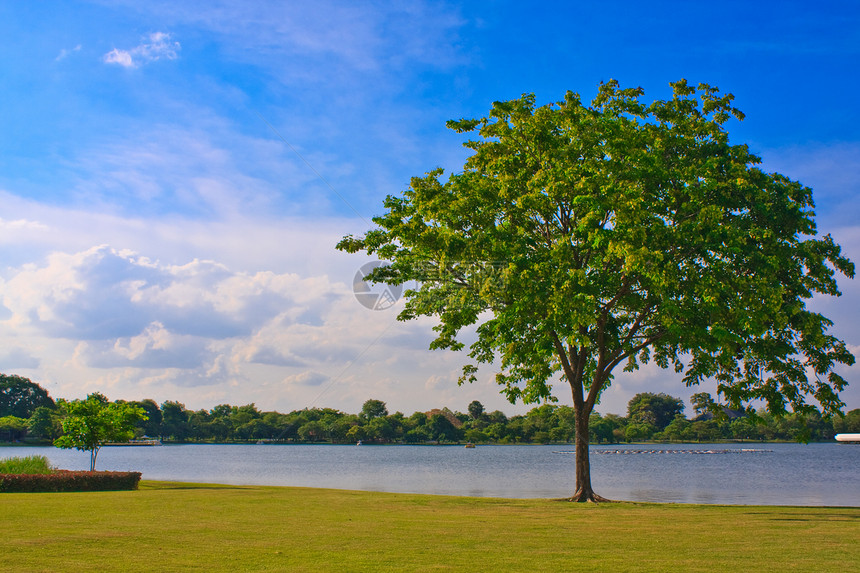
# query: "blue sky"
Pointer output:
{"type": "Point", "coordinates": [174, 176]}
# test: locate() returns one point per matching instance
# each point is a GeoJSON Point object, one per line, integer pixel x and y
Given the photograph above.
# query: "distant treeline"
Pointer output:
{"type": "Point", "coordinates": [27, 412]}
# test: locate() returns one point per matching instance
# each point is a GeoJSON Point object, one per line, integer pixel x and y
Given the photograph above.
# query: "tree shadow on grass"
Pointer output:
{"type": "Point", "coordinates": [169, 485]}
{"type": "Point", "coordinates": [814, 515]}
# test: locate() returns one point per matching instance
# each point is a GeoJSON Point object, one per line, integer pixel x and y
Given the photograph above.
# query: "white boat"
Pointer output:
{"type": "Point", "coordinates": [848, 438]}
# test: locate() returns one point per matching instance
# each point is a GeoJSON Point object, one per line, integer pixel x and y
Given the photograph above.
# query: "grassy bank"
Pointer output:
{"type": "Point", "coordinates": [182, 527]}
{"type": "Point", "coordinates": [25, 465]}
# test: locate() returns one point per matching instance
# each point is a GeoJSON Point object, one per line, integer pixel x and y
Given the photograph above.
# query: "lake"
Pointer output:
{"type": "Point", "coordinates": [753, 474]}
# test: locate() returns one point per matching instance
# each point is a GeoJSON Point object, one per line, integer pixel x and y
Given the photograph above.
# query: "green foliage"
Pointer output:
{"type": "Point", "coordinates": [847, 424]}
{"type": "Point", "coordinates": [442, 428]}
{"type": "Point", "coordinates": [313, 431]}
{"type": "Point", "coordinates": [547, 423]}
{"type": "Point", "coordinates": [93, 422]}
{"type": "Point", "coordinates": [578, 238]}
{"type": "Point", "coordinates": [46, 423]}
{"type": "Point", "coordinates": [702, 403]}
{"type": "Point", "coordinates": [12, 428]}
{"type": "Point", "coordinates": [25, 465]}
{"type": "Point", "coordinates": [639, 431]}
{"type": "Point", "coordinates": [657, 410]}
{"type": "Point", "coordinates": [20, 396]}
{"type": "Point", "coordinates": [151, 425]}
{"type": "Point", "coordinates": [373, 409]}
{"type": "Point", "coordinates": [174, 421]}
{"type": "Point", "coordinates": [476, 409]}
{"type": "Point", "coordinates": [676, 430]}
{"type": "Point", "coordinates": [603, 428]}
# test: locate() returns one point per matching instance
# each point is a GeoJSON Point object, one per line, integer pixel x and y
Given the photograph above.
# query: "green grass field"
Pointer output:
{"type": "Point", "coordinates": [191, 527]}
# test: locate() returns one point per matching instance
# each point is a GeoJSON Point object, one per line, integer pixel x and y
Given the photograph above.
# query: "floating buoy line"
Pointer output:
{"type": "Point", "coordinates": [696, 452]}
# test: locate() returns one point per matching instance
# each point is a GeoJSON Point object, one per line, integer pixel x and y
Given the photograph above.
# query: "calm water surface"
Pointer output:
{"type": "Point", "coordinates": [776, 474]}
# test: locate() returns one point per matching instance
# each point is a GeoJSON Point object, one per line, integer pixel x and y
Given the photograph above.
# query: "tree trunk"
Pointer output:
{"type": "Point", "coordinates": [94, 453]}
{"type": "Point", "coordinates": [583, 463]}
{"type": "Point", "coordinates": [573, 371]}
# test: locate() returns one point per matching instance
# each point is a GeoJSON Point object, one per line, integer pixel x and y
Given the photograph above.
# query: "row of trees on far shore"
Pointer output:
{"type": "Point", "coordinates": [27, 412]}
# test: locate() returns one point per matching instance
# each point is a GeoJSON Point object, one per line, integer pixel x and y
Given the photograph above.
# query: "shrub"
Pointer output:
{"type": "Point", "coordinates": [62, 480]}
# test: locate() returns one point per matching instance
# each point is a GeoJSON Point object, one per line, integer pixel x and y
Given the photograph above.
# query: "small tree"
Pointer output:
{"type": "Point", "coordinates": [93, 422]}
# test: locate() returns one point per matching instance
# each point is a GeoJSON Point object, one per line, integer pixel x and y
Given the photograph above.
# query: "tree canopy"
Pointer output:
{"type": "Point", "coordinates": [93, 422]}
{"type": "Point", "coordinates": [579, 238]}
{"type": "Point", "coordinates": [20, 396]}
{"type": "Point", "coordinates": [374, 409]}
{"type": "Point", "coordinates": [656, 409]}
{"type": "Point", "coordinates": [476, 409]}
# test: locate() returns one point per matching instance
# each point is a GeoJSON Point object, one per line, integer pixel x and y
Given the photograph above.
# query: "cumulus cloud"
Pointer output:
{"type": "Point", "coordinates": [273, 356]}
{"type": "Point", "coordinates": [154, 347]}
{"type": "Point", "coordinates": [106, 294]}
{"type": "Point", "coordinates": [156, 46]}
{"type": "Point", "coordinates": [308, 378]}
{"type": "Point", "coordinates": [16, 358]}
{"type": "Point", "coordinates": [120, 320]}
{"type": "Point", "coordinates": [120, 57]}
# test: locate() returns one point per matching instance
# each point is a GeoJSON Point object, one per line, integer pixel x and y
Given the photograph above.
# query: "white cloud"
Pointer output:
{"type": "Point", "coordinates": [237, 294]}
{"type": "Point", "coordinates": [20, 224]}
{"type": "Point", "coordinates": [210, 172]}
{"type": "Point", "coordinates": [160, 46]}
{"type": "Point", "coordinates": [64, 53]}
{"type": "Point", "coordinates": [15, 358]}
{"type": "Point", "coordinates": [119, 57]}
{"type": "Point", "coordinates": [308, 378]}
{"type": "Point", "coordinates": [360, 38]}
{"type": "Point", "coordinates": [105, 294]}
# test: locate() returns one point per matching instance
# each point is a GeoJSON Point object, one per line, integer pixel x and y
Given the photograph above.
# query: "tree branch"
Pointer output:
{"type": "Point", "coordinates": [574, 378]}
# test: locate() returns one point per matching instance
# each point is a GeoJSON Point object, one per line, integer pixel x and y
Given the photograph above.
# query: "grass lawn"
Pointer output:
{"type": "Point", "coordinates": [192, 527]}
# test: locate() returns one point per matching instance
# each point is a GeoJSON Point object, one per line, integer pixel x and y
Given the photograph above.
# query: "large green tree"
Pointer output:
{"type": "Point", "coordinates": [476, 409]}
{"type": "Point", "coordinates": [93, 422]}
{"type": "Point", "coordinates": [20, 396]}
{"type": "Point", "coordinates": [373, 409]}
{"type": "Point", "coordinates": [579, 238]}
{"type": "Point", "coordinates": [46, 423]}
{"type": "Point", "coordinates": [656, 409]}
{"type": "Point", "coordinates": [174, 421]}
